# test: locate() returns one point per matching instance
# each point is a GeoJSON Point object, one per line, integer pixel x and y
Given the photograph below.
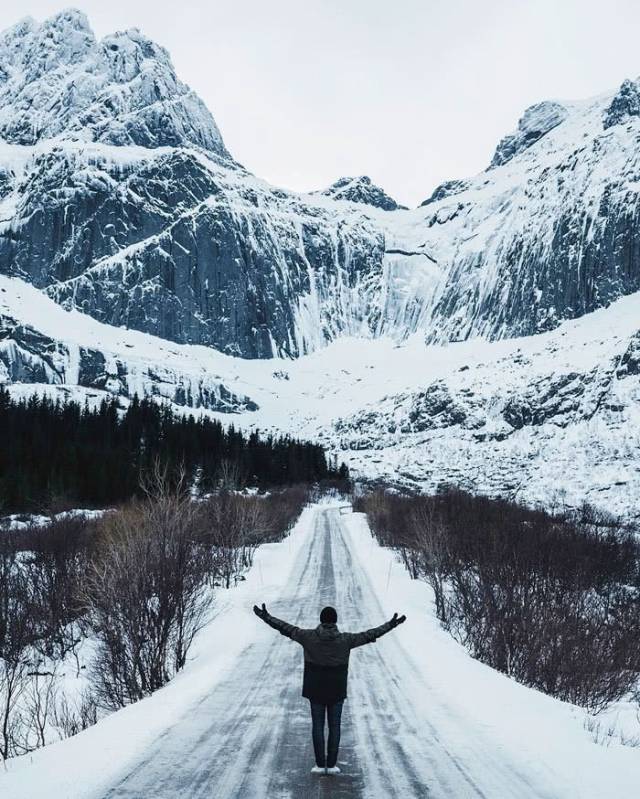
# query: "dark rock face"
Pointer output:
{"type": "Point", "coordinates": [435, 407]}
{"type": "Point", "coordinates": [166, 246]}
{"type": "Point", "coordinates": [446, 189]}
{"type": "Point", "coordinates": [362, 190]}
{"type": "Point", "coordinates": [630, 360]}
{"type": "Point", "coordinates": [556, 399]}
{"type": "Point", "coordinates": [552, 269]}
{"type": "Point", "coordinates": [28, 356]}
{"type": "Point", "coordinates": [624, 105]}
{"type": "Point", "coordinates": [534, 124]}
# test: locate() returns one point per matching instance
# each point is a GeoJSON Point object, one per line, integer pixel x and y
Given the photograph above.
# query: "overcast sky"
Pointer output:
{"type": "Point", "coordinates": [410, 92]}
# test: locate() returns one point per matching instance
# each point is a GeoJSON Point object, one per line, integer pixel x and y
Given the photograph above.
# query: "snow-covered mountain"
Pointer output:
{"type": "Point", "coordinates": [57, 80]}
{"type": "Point", "coordinates": [546, 418]}
{"type": "Point", "coordinates": [362, 190]}
{"type": "Point", "coordinates": [119, 200]}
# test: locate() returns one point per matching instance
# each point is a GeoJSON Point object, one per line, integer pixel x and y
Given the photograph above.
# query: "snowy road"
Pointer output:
{"type": "Point", "coordinates": [250, 738]}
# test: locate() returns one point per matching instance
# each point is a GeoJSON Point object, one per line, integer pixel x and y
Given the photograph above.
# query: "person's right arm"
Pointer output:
{"type": "Point", "coordinates": [283, 627]}
{"type": "Point", "coordinates": [369, 636]}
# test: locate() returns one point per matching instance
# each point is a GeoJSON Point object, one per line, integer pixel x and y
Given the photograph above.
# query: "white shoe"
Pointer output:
{"type": "Point", "coordinates": [333, 770]}
{"type": "Point", "coordinates": [318, 770]}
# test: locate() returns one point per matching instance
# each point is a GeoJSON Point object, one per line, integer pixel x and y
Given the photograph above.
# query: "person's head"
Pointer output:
{"type": "Point", "coordinates": [328, 615]}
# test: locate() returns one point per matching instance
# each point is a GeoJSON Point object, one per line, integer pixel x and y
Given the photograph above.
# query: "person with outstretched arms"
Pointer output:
{"type": "Point", "coordinates": [326, 667]}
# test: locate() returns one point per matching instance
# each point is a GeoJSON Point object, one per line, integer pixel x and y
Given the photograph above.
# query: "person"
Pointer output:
{"type": "Point", "coordinates": [326, 666]}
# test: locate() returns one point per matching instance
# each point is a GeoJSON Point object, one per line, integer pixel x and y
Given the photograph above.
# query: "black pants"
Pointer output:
{"type": "Point", "coordinates": [333, 715]}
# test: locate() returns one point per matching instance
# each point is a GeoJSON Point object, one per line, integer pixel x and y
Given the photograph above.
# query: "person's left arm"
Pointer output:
{"type": "Point", "coordinates": [369, 636]}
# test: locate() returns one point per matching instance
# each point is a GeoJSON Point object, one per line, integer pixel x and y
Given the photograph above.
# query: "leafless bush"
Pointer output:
{"type": "Point", "coordinates": [40, 699]}
{"type": "Point", "coordinates": [17, 635]}
{"type": "Point", "coordinates": [57, 561]}
{"type": "Point", "coordinates": [283, 507]}
{"type": "Point", "coordinates": [229, 476]}
{"type": "Point", "coordinates": [70, 718]}
{"type": "Point", "coordinates": [553, 601]}
{"type": "Point", "coordinates": [233, 525]}
{"type": "Point", "coordinates": [146, 594]}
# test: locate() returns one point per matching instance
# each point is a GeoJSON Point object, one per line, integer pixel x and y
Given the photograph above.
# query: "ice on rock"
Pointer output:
{"type": "Point", "coordinates": [109, 156]}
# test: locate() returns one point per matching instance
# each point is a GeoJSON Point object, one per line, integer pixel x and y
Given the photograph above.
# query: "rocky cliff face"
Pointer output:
{"type": "Point", "coordinates": [168, 243]}
{"type": "Point", "coordinates": [537, 121]}
{"type": "Point", "coordinates": [548, 233]}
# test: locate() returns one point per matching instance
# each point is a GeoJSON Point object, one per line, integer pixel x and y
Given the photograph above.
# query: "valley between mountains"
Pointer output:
{"type": "Point", "coordinates": [487, 339]}
{"type": "Point", "coordinates": [485, 344]}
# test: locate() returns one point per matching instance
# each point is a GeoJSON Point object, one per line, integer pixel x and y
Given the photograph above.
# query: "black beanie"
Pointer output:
{"type": "Point", "coordinates": [328, 615]}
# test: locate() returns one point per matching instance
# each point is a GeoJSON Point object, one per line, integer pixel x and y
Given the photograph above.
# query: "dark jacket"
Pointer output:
{"type": "Point", "coordinates": [326, 656]}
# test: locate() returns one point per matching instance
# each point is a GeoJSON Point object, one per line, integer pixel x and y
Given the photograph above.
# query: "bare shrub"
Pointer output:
{"type": "Point", "coordinates": [283, 508]}
{"type": "Point", "coordinates": [146, 594]}
{"type": "Point", "coordinates": [40, 699]}
{"type": "Point", "coordinates": [16, 638]}
{"type": "Point", "coordinates": [229, 476]}
{"type": "Point", "coordinates": [70, 718]}
{"type": "Point", "coordinates": [57, 561]}
{"type": "Point", "coordinates": [233, 525]}
{"type": "Point", "coordinates": [551, 600]}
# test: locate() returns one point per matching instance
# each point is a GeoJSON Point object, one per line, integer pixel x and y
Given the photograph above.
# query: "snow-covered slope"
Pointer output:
{"type": "Point", "coordinates": [45, 348]}
{"type": "Point", "coordinates": [547, 418]}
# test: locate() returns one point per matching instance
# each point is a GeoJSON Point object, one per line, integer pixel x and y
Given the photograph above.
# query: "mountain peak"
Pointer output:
{"type": "Point", "coordinates": [361, 190]}
{"type": "Point", "coordinates": [57, 80]}
{"type": "Point", "coordinates": [625, 104]}
{"type": "Point", "coordinates": [536, 121]}
{"type": "Point", "coordinates": [68, 18]}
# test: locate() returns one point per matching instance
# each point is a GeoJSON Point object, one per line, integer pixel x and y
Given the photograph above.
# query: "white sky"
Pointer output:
{"type": "Point", "coordinates": [410, 92]}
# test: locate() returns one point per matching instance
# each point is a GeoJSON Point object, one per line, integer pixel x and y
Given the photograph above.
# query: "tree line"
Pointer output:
{"type": "Point", "coordinates": [57, 455]}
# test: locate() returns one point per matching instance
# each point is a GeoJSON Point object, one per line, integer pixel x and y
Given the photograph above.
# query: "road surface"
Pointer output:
{"type": "Point", "coordinates": [250, 738]}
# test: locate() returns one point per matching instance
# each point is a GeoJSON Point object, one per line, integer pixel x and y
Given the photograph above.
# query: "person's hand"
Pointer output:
{"type": "Point", "coordinates": [261, 613]}
{"type": "Point", "coordinates": [396, 620]}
